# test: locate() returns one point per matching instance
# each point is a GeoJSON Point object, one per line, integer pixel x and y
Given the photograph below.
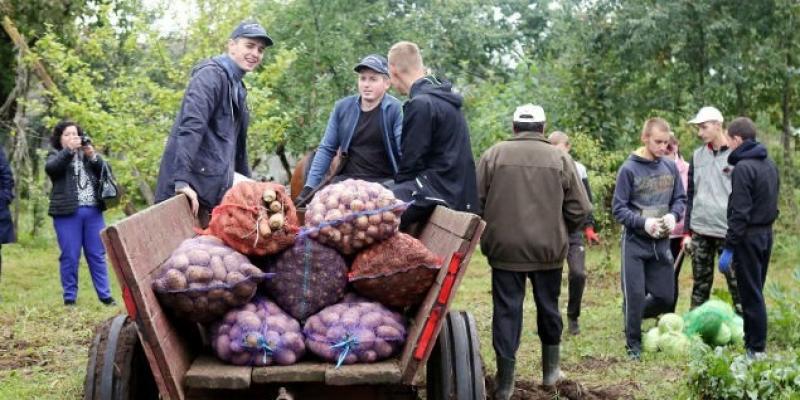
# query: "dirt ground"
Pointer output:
{"type": "Point", "coordinates": [566, 389]}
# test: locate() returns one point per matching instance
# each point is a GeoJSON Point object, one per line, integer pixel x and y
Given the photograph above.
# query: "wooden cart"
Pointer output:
{"type": "Point", "coordinates": [145, 353]}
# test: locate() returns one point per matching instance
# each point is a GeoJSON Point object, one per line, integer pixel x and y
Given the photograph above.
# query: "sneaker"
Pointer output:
{"type": "Point", "coordinates": [69, 303]}
{"type": "Point", "coordinates": [109, 301]}
{"type": "Point", "coordinates": [574, 328]}
{"type": "Point", "coordinates": [634, 355]}
{"type": "Point", "coordinates": [756, 355]}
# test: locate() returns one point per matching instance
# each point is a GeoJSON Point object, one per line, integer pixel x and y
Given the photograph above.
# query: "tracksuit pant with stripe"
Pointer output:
{"type": "Point", "coordinates": [648, 284]}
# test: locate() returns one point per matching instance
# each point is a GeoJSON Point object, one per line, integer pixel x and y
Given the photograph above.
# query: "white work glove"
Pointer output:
{"type": "Point", "coordinates": [687, 244]}
{"type": "Point", "coordinates": [653, 227]}
{"type": "Point", "coordinates": [668, 223]}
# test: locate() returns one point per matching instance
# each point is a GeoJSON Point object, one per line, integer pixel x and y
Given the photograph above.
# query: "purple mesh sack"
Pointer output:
{"type": "Point", "coordinates": [258, 334]}
{"type": "Point", "coordinates": [308, 277]}
{"type": "Point", "coordinates": [355, 331]}
{"type": "Point", "coordinates": [204, 278]}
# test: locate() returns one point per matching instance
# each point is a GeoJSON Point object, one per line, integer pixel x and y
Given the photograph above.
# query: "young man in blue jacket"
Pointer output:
{"type": "Point", "coordinates": [648, 201]}
{"type": "Point", "coordinates": [752, 209]}
{"type": "Point", "coordinates": [208, 142]}
{"type": "Point", "coordinates": [366, 129]}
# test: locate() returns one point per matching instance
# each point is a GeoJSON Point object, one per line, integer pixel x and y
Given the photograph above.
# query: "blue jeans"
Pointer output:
{"type": "Point", "coordinates": [81, 229]}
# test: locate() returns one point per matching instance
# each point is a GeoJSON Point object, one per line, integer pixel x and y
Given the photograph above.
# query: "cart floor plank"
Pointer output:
{"type": "Point", "coordinates": [302, 372]}
{"type": "Point", "coordinates": [207, 372]}
{"type": "Point", "coordinates": [387, 372]}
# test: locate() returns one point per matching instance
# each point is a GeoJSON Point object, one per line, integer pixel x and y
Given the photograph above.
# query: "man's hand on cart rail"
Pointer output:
{"type": "Point", "coordinates": [192, 195]}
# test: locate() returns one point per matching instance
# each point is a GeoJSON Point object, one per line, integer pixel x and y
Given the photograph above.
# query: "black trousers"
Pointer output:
{"type": "Point", "coordinates": [647, 283]}
{"type": "Point", "coordinates": [751, 258]}
{"type": "Point", "coordinates": [508, 294]}
{"type": "Point", "coordinates": [576, 261]}
{"type": "Point", "coordinates": [675, 249]}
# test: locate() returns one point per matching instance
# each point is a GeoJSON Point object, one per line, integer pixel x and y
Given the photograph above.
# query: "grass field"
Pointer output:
{"type": "Point", "coordinates": [43, 345]}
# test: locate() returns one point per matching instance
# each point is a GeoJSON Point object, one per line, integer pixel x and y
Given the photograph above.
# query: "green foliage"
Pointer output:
{"type": "Point", "coordinates": [722, 374]}
{"type": "Point", "coordinates": [784, 324]}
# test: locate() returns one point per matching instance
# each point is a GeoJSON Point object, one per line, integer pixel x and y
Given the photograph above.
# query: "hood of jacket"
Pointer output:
{"type": "Point", "coordinates": [640, 155]}
{"type": "Point", "coordinates": [749, 149]}
{"type": "Point", "coordinates": [434, 87]}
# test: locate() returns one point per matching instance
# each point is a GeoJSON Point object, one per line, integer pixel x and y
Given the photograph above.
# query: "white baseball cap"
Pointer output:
{"type": "Point", "coordinates": [707, 114]}
{"type": "Point", "coordinates": [529, 113]}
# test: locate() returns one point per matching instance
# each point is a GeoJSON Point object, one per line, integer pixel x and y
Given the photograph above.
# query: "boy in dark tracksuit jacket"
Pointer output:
{"type": "Point", "coordinates": [752, 209]}
{"type": "Point", "coordinates": [648, 201]}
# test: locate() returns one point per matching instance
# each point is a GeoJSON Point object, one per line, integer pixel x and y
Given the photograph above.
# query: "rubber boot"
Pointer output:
{"type": "Point", "coordinates": [551, 365]}
{"type": "Point", "coordinates": [504, 379]}
{"type": "Point", "coordinates": [574, 328]}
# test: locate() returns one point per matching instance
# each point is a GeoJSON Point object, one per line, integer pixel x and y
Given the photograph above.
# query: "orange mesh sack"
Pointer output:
{"type": "Point", "coordinates": [397, 272]}
{"type": "Point", "coordinates": [255, 218]}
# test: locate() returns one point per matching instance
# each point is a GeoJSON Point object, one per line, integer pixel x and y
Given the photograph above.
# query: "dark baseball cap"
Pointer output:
{"type": "Point", "coordinates": [374, 62]}
{"type": "Point", "coordinates": [251, 29]}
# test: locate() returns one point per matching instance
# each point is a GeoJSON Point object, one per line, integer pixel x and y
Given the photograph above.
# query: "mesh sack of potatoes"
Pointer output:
{"type": "Point", "coordinates": [355, 331]}
{"type": "Point", "coordinates": [397, 272]}
{"type": "Point", "coordinates": [203, 278]}
{"type": "Point", "coordinates": [255, 218]}
{"type": "Point", "coordinates": [308, 277]}
{"type": "Point", "coordinates": [258, 334]}
{"type": "Point", "coordinates": [353, 214]}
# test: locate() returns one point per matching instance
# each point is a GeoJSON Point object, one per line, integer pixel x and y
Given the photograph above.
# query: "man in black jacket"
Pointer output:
{"type": "Point", "coordinates": [208, 142]}
{"type": "Point", "coordinates": [436, 164]}
{"type": "Point", "coordinates": [752, 209]}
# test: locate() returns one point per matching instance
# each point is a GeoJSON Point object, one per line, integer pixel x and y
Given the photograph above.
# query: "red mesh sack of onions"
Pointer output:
{"type": "Point", "coordinates": [308, 277]}
{"type": "Point", "coordinates": [353, 214]}
{"type": "Point", "coordinates": [397, 272]}
{"type": "Point", "coordinates": [355, 331]}
{"type": "Point", "coordinates": [203, 278]}
{"type": "Point", "coordinates": [258, 334]}
{"type": "Point", "coordinates": [255, 218]}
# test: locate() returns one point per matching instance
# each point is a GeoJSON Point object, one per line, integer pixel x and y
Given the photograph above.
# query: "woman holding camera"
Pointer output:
{"type": "Point", "coordinates": [77, 209]}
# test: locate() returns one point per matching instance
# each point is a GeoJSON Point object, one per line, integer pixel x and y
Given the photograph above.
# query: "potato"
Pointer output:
{"type": "Point", "coordinates": [285, 357]}
{"type": "Point", "coordinates": [196, 290]}
{"type": "Point", "coordinates": [180, 261]}
{"type": "Point", "coordinates": [269, 196]}
{"type": "Point", "coordinates": [383, 348]}
{"type": "Point", "coordinates": [264, 229]}
{"type": "Point", "coordinates": [201, 305]}
{"type": "Point", "coordinates": [184, 303]}
{"type": "Point", "coordinates": [365, 336]}
{"type": "Point", "coordinates": [276, 207]}
{"type": "Point", "coordinates": [216, 307]}
{"type": "Point", "coordinates": [232, 261]}
{"type": "Point", "coordinates": [217, 268]}
{"type": "Point", "coordinates": [222, 346]}
{"type": "Point", "coordinates": [276, 221]}
{"type": "Point", "coordinates": [198, 257]}
{"type": "Point", "coordinates": [374, 219]}
{"type": "Point", "coordinates": [252, 339]}
{"type": "Point", "coordinates": [368, 356]}
{"type": "Point", "coordinates": [160, 285]}
{"type": "Point", "coordinates": [233, 278]}
{"type": "Point", "coordinates": [241, 359]}
{"type": "Point", "coordinates": [245, 289]}
{"type": "Point", "coordinates": [388, 217]}
{"type": "Point", "coordinates": [195, 274]}
{"type": "Point", "coordinates": [346, 228]}
{"type": "Point", "coordinates": [371, 319]}
{"type": "Point", "coordinates": [175, 280]}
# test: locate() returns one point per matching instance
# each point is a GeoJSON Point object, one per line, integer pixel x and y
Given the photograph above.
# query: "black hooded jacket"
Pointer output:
{"type": "Point", "coordinates": [436, 148]}
{"type": "Point", "coordinates": [753, 203]}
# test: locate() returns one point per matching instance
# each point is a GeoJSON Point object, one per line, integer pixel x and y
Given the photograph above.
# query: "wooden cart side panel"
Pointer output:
{"type": "Point", "coordinates": [139, 244]}
{"type": "Point", "coordinates": [445, 235]}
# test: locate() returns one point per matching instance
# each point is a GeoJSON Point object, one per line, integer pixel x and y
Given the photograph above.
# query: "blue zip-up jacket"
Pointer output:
{"type": "Point", "coordinates": [647, 189]}
{"type": "Point", "coordinates": [208, 141]}
{"type": "Point", "coordinates": [341, 127]}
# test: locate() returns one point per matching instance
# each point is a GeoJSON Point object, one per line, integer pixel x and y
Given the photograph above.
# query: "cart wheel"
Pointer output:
{"type": "Point", "coordinates": [455, 370]}
{"type": "Point", "coordinates": [117, 368]}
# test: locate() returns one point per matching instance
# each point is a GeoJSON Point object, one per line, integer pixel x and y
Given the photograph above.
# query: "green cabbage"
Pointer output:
{"type": "Point", "coordinates": [650, 340]}
{"type": "Point", "coordinates": [674, 343]}
{"type": "Point", "coordinates": [723, 335]}
{"type": "Point", "coordinates": [670, 323]}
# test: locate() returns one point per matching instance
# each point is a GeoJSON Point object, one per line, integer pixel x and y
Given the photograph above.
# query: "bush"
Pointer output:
{"type": "Point", "coordinates": [784, 326]}
{"type": "Point", "coordinates": [722, 374]}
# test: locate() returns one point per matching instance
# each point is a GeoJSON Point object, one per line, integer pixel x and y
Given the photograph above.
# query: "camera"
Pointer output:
{"type": "Point", "coordinates": [86, 140]}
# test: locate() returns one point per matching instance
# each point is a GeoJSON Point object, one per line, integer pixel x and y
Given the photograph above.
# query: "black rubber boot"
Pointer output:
{"type": "Point", "coordinates": [574, 328]}
{"type": "Point", "coordinates": [504, 379]}
{"type": "Point", "coordinates": [551, 365]}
